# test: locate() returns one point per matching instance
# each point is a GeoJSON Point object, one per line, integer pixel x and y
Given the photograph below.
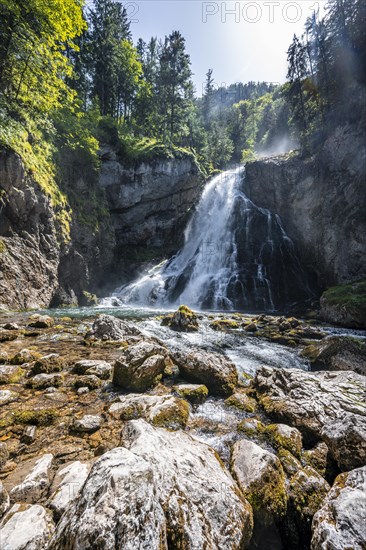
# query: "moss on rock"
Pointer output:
{"type": "Point", "coordinates": [41, 417]}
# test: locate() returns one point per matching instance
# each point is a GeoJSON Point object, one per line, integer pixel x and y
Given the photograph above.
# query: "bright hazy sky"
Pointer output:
{"type": "Point", "coordinates": [249, 44]}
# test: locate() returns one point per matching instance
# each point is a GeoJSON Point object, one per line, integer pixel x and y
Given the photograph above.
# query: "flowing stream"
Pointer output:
{"type": "Point", "coordinates": [236, 256]}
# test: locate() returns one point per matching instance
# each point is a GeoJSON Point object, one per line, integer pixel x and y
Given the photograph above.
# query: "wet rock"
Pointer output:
{"type": "Point", "coordinates": [26, 527]}
{"type": "Point", "coordinates": [261, 478]}
{"type": "Point", "coordinates": [10, 374]}
{"type": "Point", "coordinates": [154, 483]}
{"type": "Point", "coordinates": [42, 381]}
{"type": "Point", "coordinates": [251, 327]}
{"type": "Point", "coordinates": [345, 305]}
{"type": "Point", "coordinates": [41, 321]}
{"type": "Point", "coordinates": [281, 435]}
{"type": "Point", "coordinates": [195, 393]}
{"type": "Point", "coordinates": [4, 501]}
{"type": "Point", "coordinates": [224, 325]}
{"type": "Point", "coordinates": [183, 320]}
{"type": "Point", "coordinates": [214, 370]}
{"type": "Point", "coordinates": [107, 327]}
{"type": "Point", "coordinates": [251, 427]}
{"type": "Point", "coordinates": [84, 365]}
{"type": "Point", "coordinates": [82, 390]}
{"type": "Point", "coordinates": [340, 522]}
{"type": "Point", "coordinates": [67, 484]}
{"type": "Point", "coordinates": [242, 401]}
{"type": "Point", "coordinates": [30, 481]}
{"type": "Point", "coordinates": [140, 366]}
{"type": "Point", "coordinates": [91, 382]}
{"type": "Point", "coordinates": [87, 424]}
{"type": "Point", "coordinates": [323, 405]}
{"type": "Point", "coordinates": [7, 396]}
{"type": "Point", "coordinates": [164, 411]}
{"type": "Point", "coordinates": [338, 353]}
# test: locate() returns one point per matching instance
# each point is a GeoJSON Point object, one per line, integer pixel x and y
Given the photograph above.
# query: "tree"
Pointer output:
{"type": "Point", "coordinates": [34, 38]}
{"type": "Point", "coordinates": [174, 88]}
{"type": "Point", "coordinates": [297, 72]}
{"type": "Point", "coordinates": [207, 98]}
{"type": "Point", "coordinates": [109, 28]}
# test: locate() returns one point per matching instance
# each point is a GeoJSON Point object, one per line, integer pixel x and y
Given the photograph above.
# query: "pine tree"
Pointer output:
{"type": "Point", "coordinates": [207, 98]}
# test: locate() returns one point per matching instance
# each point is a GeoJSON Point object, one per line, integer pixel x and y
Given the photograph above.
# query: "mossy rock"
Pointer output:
{"type": "Point", "coordinates": [317, 458]}
{"type": "Point", "coordinates": [41, 417]}
{"type": "Point", "coordinates": [174, 416]}
{"type": "Point", "coordinates": [251, 427]}
{"type": "Point", "coordinates": [289, 463]}
{"type": "Point", "coordinates": [195, 393]}
{"type": "Point", "coordinates": [345, 305]}
{"type": "Point", "coordinates": [241, 401]}
{"type": "Point", "coordinates": [285, 437]}
{"type": "Point", "coordinates": [224, 325]}
{"type": "Point", "coordinates": [88, 299]}
{"type": "Point", "coordinates": [2, 247]}
{"type": "Point", "coordinates": [183, 320]}
{"type": "Point", "coordinates": [24, 356]}
{"type": "Point", "coordinates": [48, 364]}
{"type": "Point", "coordinates": [89, 381]}
{"type": "Point", "coordinates": [307, 492]}
{"type": "Point", "coordinates": [10, 374]}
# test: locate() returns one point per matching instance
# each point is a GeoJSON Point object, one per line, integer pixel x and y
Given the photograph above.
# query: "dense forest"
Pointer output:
{"type": "Point", "coordinates": [71, 77]}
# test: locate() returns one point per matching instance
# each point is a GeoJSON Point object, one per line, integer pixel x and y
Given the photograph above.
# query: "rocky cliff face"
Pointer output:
{"type": "Point", "coordinates": [321, 202]}
{"type": "Point", "coordinates": [149, 204]}
{"type": "Point", "coordinates": [36, 268]}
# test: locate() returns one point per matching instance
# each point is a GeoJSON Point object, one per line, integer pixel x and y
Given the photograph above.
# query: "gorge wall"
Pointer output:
{"type": "Point", "coordinates": [322, 204]}
{"type": "Point", "coordinates": [145, 210]}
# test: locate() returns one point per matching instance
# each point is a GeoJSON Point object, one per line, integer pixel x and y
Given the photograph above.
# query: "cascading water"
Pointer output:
{"type": "Point", "coordinates": [235, 256]}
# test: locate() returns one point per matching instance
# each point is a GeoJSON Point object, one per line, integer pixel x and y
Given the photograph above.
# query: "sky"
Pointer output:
{"type": "Point", "coordinates": [240, 41]}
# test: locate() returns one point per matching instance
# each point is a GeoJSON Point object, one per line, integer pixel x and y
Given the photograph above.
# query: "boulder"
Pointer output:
{"type": "Point", "coordinates": [183, 320]}
{"type": "Point", "coordinates": [48, 364]}
{"type": "Point", "coordinates": [81, 367]}
{"type": "Point", "coordinates": [42, 381]}
{"type": "Point", "coordinates": [261, 478]}
{"type": "Point", "coordinates": [89, 423]}
{"type": "Point", "coordinates": [345, 305]}
{"type": "Point", "coordinates": [281, 435]}
{"type": "Point", "coordinates": [164, 411]}
{"type": "Point", "coordinates": [326, 406]}
{"type": "Point", "coordinates": [30, 481]}
{"type": "Point", "coordinates": [41, 321]}
{"type": "Point", "coordinates": [89, 381]}
{"type": "Point", "coordinates": [26, 527]}
{"type": "Point", "coordinates": [195, 393]}
{"type": "Point", "coordinates": [340, 522]}
{"type": "Point", "coordinates": [107, 327]}
{"type": "Point", "coordinates": [163, 490]}
{"type": "Point", "coordinates": [10, 374]}
{"type": "Point", "coordinates": [140, 366]}
{"type": "Point", "coordinates": [4, 454]}
{"type": "Point", "coordinates": [4, 501]}
{"type": "Point", "coordinates": [317, 457]}
{"type": "Point", "coordinates": [24, 356]}
{"type": "Point", "coordinates": [242, 401]}
{"type": "Point", "coordinates": [214, 370]}
{"type": "Point", "coordinates": [338, 353]}
{"type": "Point", "coordinates": [67, 484]}
{"type": "Point", "coordinates": [7, 396]}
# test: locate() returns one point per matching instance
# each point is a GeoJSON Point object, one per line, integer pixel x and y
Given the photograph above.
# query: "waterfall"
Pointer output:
{"type": "Point", "coordinates": [235, 256]}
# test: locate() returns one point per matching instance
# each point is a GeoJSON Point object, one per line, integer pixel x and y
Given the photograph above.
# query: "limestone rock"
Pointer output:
{"type": "Point", "coordinates": [153, 498]}
{"type": "Point", "coordinates": [4, 501]}
{"type": "Point", "coordinates": [89, 381]}
{"type": "Point", "coordinates": [89, 423]}
{"type": "Point", "coordinates": [41, 321]}
{"type": "Point", "coordinates": [338, 353]}
{"type": "Point", "coordinates": [327, 406]}
{"type": "Point", "coordinates": [107, 327]}
{"type": "Point", "coordinates": [214, 370]}
{"type": "Point", "coordinates": [286, 437]}
{"type": "Point", "coordinates": [261, 478]}
{"type": "Point", "coordinates": [42, 381]}
{"type": "Point", "coordinates": [182, 320]}
{"type": "Point", "coordinates": [340, 522]}
{"type": "Point", "coordinates": [139, 366]}
{"type": "Point", "coordinates": [30, 480]}
{"type": "Point", "coordinates": [10, 374]}
{"type": "Point", "coordinates": [7, 396]}
{"type": "Point", "coordinates": [4, 454]}
{"type": "Point", "coordinates": [26, 527]}
{"type": "Point", "coordinates": [67, 484]}
{"type": "Point", "coordinates": [195, 393]}
{"type": "Point", "coordinates": [81, 367]}
{"type": "Point", "coordinates": [164, 411]}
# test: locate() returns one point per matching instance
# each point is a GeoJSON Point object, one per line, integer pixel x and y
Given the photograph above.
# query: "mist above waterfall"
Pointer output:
{"type": "Point", "coordinates": [235, 256]}
{"type": "Point", "coordinates": [280, 146]}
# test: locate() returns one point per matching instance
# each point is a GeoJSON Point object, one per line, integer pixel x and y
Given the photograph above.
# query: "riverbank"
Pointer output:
{"type": "Point", "coordinates": [71, 387]}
